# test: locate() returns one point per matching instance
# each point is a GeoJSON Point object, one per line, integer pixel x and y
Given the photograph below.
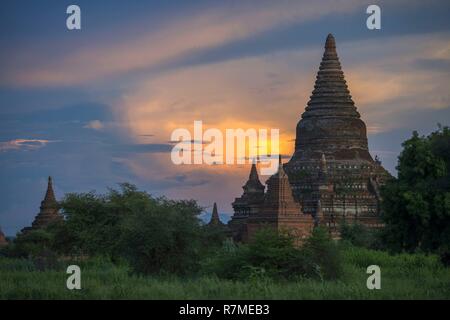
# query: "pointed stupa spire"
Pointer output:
{"type": "Point", "coordinates": [49, 210]}
{"type": "Point", "coordinates": [330, 95]}
{"type": "Point", "coordinates": [215, 220]}
{"type": "Point", "coordinates": [331, 122]}
{"type": "Point", "coordinates": [49, 198]}
{"type": "Point", "coordinates": [253, 173]}
{"type": "Point", "coordinates": [330, 44]}
{"type": "Point", "coordinates": [253, 183]}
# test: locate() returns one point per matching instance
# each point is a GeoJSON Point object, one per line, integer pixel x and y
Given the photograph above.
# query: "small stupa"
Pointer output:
{"type": "Point", "coordinates": [215, 219]}
{"type": "Point", "coordinates": [49, 210]}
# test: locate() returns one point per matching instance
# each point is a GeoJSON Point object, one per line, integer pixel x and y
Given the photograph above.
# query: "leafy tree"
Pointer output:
{"type": "Point", "coordinates": [416, 206]}
{"type": "Point", "coordinates": [155, 235]}
{"type": "Point", "coordinates": [163, 237]}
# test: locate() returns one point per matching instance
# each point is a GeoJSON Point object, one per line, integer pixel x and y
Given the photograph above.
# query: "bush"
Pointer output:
{"type": "Point", "coordinates": [37, 247]}
{"type": "Point", "coordinates": [361, 236]}
{"type": "Point", "coordinates": [164, 237]}
{"type": "Point", "coordinates": [323, 254]}
{"type": "Point", "coordinates": [274, 254]}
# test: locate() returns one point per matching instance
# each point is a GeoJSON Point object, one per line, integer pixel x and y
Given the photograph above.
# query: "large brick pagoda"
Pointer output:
{"type": "Point", "coordinates": [331, 173]}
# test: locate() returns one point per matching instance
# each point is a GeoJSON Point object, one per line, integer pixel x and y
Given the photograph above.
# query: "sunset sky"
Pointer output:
{"type": "Point", "coordinates": [96, 107]}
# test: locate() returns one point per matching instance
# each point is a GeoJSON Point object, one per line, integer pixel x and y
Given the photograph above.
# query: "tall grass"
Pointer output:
{"type": "Point", "coordinates": [403, 276]}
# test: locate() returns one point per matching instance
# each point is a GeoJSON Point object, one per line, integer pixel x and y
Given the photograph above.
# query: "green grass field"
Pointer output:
{"type": "Point", "coordinates": [403, 276]}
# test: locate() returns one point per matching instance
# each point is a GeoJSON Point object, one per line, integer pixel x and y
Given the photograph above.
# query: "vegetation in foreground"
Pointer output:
{"type": "Point", "coordinates": [404, 276]}
{"type": "Point", "coordinates": [158, 248]}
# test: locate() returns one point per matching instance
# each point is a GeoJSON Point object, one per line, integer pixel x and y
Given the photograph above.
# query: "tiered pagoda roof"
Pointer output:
{"type": "Point", "coordinates": [49, 210]}
{"type": "Point", "coordinates": [331, 124]}
{"type": "Point", "coordinates": [253, 190]}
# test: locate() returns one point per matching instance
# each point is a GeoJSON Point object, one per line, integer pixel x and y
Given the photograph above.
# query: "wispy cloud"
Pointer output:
{"type": "Point", "coordinates": [206, 29]}
{"type": "Point", "coordinates": [24, 144]}
{"type": "Point", "coordinates": [94, 124]}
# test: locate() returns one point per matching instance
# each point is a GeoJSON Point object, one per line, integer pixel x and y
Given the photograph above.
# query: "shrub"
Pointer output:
{"type": "Point", "coordinates": [361, 236]}
{"type": "Point", "coordinates": [274, 255]}
{"type": "Point", "coordinates": [323, 254]}
{"type": "Point", "coordinates": [37, 247]}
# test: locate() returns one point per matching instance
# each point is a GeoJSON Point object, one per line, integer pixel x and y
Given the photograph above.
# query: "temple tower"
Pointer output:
{"type": "Point", "coordinates": [250, 200]}
{"type": "Point", "coordinates": [248, 204]}
{"type": "Point", "coordinates": [331, 162]}
{"type": "Point", "coordinates": [49, 210]}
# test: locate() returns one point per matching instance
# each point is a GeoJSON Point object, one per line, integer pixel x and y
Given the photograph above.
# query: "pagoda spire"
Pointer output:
{"type": "Point", "coordinates": [253, 183]}
{"type": "Point", "coordinates": [215, 219]}
{"type": "Point", "coordinates": [49, 199]}
{"type": "Point", "coordinates": [331, 124]}
{"type": "Point", "coordinates": [253, 173]}
{"type": "Point", "coordinates": [49, 212]}
{"type": "Point", "coordinates": [330, 95]}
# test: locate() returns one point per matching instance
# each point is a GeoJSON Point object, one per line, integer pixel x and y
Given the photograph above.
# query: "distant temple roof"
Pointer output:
{"type": "Point", "coordinates": [215, 219]}
{"type": "Point", "coordinates": [49, 210]}
{"type": "Point", "coordinates": [253, 183]}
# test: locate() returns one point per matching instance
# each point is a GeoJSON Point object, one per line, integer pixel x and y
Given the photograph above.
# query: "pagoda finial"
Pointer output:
{"type": "Point", "coordinates": [49, 198]}
{"type": "Point", "coordinates": [253, 173]}
{"type": "Point", "coordinates": [330, 43]}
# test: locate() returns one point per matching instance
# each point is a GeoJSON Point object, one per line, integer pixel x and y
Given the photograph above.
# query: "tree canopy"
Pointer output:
{"type": "Point", "coordinates": [416, 206]}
